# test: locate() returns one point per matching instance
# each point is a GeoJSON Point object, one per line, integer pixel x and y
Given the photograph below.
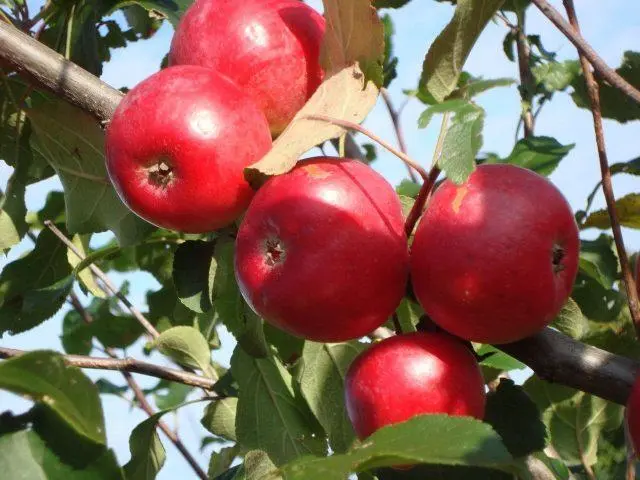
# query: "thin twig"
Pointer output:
{"type": "Point", "coordinates": [427, 186]}
{"type": "Point", "coordinates": [103, 277]}
{"type": "Point", "coordinates": [143, 403]}
{"type": "Point", "coordinates": [607, 187]}
{"type": "Point", "coordinates": [395, 119]}
{"type": "Point", "coordinates": [585, 49]}
{"type": "Point", "coordinates": [126, 365]}
{"type": "Point", "coordinates": [358, 128]}
{"type": "Point", "coordinates": [526, 76]}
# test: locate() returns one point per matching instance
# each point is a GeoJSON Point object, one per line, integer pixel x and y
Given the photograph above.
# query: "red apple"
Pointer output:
{"type": "Point", "coordinates": [494, 259]}
{"type": "Point", "coordinates": [270, 48]}
{"type": "Point", "coordinates": [632, 416]}
{"type": "Point", "coordinates": [413, 374]}
{"type": "Point", "coordinates": [177, 145]}
{"type": "Point", "coordinates": [321, 252]}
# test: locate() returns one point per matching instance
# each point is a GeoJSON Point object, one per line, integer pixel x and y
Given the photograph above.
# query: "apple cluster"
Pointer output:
{"type": "Point", "coordinates": [321, 251]}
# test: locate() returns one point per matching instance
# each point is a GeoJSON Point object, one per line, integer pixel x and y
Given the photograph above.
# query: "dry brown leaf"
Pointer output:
{"type": "Point", "coordinates": [352, 55]}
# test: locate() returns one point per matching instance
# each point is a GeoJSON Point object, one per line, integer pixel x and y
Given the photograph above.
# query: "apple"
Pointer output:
{"type": "Point", "coordinates": [321, 252]}
{"type": "Point", "coordinates": [270, 48]}
{"type": "Point", "coordinates": [494, 259]}
{"type": "Point", "coordinates": [632, 416]}
{"type": "Point", "coordinates": [177, 145]}
{"type": "Point", "coordinates": [412, 374]}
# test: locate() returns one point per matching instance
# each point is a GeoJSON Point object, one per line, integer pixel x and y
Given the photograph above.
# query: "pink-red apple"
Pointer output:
{"type": "Point", "coordinates": [632, 416]}
{"type": "Point", "coordinates": [494, 259]}
{"type": "Point", "coordinates": [321, 252]}
{"type": "Point", "coordinates": [270, 48]}
{"type": "Point", "coordinates": [177, 145]}
{"type": "Point", "coordinates": [413, 374]}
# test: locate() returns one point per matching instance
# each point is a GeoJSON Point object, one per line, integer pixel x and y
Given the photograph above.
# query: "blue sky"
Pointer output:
{"type": "Point", "coordinates": [611, 29]}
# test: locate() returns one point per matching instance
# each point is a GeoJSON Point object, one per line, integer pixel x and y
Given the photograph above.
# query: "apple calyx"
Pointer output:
{"type": "Point", "coordinates": [161, 172]}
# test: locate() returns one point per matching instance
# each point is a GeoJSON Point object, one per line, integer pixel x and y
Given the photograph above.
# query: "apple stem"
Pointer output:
{"type": "Point", "coordinates": [358, 128]}
{"type": "Point", "coordinates": [427, 186]}
{"type": "Point", "coordinates": [593, 91]}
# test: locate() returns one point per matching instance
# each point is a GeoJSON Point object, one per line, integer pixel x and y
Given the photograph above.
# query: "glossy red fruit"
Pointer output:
{"type": "Point", "coordinates": [494, 259]}
{"type": "Point", "coordinates": [409, 375]}
{"type": "Point", "coordinates": [632, 416]}
{"type": "Point", "coordinates": [321, 252]}
{"type": "Point", "coordinates": [177, 145]}
{"type": "Point", "coordinates": [270, 48]}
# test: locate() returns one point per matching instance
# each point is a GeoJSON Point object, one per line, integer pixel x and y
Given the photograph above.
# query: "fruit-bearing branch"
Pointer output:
{"type": "Point", "coordinates": [550, 354]}
{"type": "Point", "coordinates": [45, 67]}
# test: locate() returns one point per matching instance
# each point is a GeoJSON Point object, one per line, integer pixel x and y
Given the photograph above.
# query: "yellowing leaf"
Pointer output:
{"type": "Point", "coordinates": [352, 56]}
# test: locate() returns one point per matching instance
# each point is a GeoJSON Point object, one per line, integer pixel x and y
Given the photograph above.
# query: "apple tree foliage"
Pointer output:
{"type": "Point", "coordinates": [278, 411]}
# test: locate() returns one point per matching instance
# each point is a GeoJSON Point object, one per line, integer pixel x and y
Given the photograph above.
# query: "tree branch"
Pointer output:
{"type": "Point", "coordinates": [141, 397]}
{"type": "Point", "coordinates": [558, 358]}
{"type": "Point", "coordinates": [395, 119]}
{"type": "Point", "coordinates": [126, 365]}
{"type": "Point", "coordinates": [103, 277]}
{"type": "Point", "coordinates": [50, 69]}
{"type": "Point", "coordinates": [585, 49]}
{"type": "Point", "coordinates": [607, 187]}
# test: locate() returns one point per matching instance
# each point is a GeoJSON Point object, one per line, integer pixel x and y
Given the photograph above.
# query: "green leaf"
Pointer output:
{"type": "Point", "coordinates": [286, 345]}
{"type": "Point", "coordinates": [257, 466]}
{"type": "Point", "coordinates": [321, 374]}
{"type": "Point", "coordinates": [449, 106]}
{"type": "Point", "coordinates": [194, 269]}
{"type": "Point", "coordinates": [408, 188]}
{"type": "Point", "coordinates": [540, 154]}
{"type": "Point", "coordinates": [170, 395]}
{"type": "Point", "coordinates": [474, 86]}
{"type": "Point", "coordinates": [599, 261]}
{"type": "Point", "coordinates": [172, 10]}
{"type": "Point", "coordinates": [390, 3]}
{"type": "Point", "coordinates": [409, 314]}
{"type": "Point", "coordinates": [270, 416]}
{"type": "Point", "coordinates": [571, 321]}
{"type": "Point", "coordinates": [614, 104]}
{"type": "Point", "coordinates": [188, 347]}
{"type": "Point", "coordinates": [222, 460]}
{"type": "Point", "coordinates": [628, 208]}
{"type": "Point", "coordinates": [447, 54]}
{"type": "Point", "coordinates": [574, 419]}
{"type": "Point", "coordinates": [389, 66]}
{"type": "Point", "coordinates": [106, 387]}
{"type": "Point", "coordinates": [462, 142]}
{"type": "Point", "coordinates": [220, 418]}
{"type": "Point", "coordinates": [44, 377]}
{"type": "Point", "coordinates": [73, 144]}
{"type": "Point", "coordinates": [147, 453]}
{"type": "Point", "coordinates": [33, 288]}
{"type": "Point", "coordinates": [463, 137]}
{"type": "Point", "coordinates": [24, 455]}
{"type": "Point", "coordinates": [85, 276]}
{"type": "Point", "coordinates": [545, 467]}
{"type": "Point", "coordinates": [13, 210]}
{"type": "Point", "coordinates": [431, 439]}
{"type": "Point", "coordinates": [110, 326]}
{"type": "Point", "coordinates": [498, 359]}
{"type": "Point", "coordinates": [632, 167]}
{"type": "Point", "coordinates": [234, 312]}
{"type": "Point", "coordinates": [556, 76]}
{"type": "Point", "coordinates": [516, 418]}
